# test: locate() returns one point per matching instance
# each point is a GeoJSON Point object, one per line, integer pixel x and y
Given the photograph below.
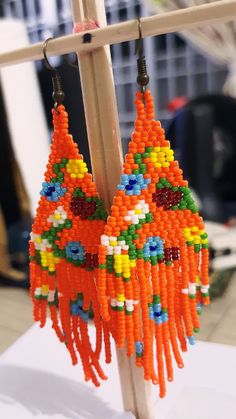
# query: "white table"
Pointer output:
{"type": "Point", "coordinates": [38, 380]}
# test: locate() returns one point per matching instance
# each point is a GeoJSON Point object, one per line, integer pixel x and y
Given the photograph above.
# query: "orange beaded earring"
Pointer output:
{"type": "Point", "coordinates": [153, 257]}
{"type": "Point", "coordinates": [64, 246]}
{"type": "Point", "coordinates": [143, 270]}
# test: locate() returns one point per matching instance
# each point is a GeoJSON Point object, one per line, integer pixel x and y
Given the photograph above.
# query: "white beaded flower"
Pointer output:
{"type": "Point", "coordinates": [39, 242]}
{"type": "Point", "coordinates": [138, 213]}
{"type": "Point", "coordinates": [58, 217]}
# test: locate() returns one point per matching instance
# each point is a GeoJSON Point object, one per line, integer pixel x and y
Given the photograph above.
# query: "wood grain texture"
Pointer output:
{"type": "Point", "coordinates": [180, 20]}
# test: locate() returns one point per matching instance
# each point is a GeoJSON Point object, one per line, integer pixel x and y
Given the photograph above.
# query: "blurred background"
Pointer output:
{"type": "Point", "coordinates": [193, 79]}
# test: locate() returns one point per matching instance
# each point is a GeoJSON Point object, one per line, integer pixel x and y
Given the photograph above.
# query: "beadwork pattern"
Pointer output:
{"type": "Point", "coordinates": [143, 270]}
{"type": "Point", "coordinates": [64, 251]}
{"type": "Point", "coordinates": [153, 256]}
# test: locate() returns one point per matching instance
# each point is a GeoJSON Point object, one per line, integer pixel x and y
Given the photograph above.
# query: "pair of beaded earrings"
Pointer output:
{"type": "Point", "coordinates": [142, 271]}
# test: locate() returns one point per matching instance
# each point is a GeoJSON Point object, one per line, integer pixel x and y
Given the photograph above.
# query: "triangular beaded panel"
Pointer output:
{"type": "Point", "coordinates": [64, 250]}
{"type": "Point", "coordinates": [153, 258]}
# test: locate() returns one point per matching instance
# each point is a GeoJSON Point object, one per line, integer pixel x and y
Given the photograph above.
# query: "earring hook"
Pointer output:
{"type": "Point", "coordinates": [140, 28]}
{"type": "Point", "coordinates": [139, 41]}
{"type": "Point", "coordinates": [143, 78]}
{"type": "Point", "coordinates": [58, 94]}
{"type": "Point", "coordinates": [47, 63]}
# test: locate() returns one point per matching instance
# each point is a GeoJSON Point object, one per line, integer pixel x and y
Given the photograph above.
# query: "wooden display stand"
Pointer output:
{"type": "Point", "coordinates": [102, 117]}
{"type": "Point", "coordinates": [106, 158]}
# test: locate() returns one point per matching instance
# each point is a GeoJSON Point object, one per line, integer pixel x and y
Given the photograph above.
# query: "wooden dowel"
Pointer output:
{"type": "Point", "coordinates": [106, 159]}
{"type": "Point", "coordinates": [100, 114]}
{"type": "Point", "coordinates": [178, 20]}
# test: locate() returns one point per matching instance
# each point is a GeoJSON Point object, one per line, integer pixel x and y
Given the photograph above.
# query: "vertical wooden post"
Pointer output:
{"type": "Point", "coordinates": [106, 159]}
{"type": "Point", "coordinates": [100, 108]}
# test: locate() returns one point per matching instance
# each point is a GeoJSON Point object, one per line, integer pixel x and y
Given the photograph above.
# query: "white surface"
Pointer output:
{"type": "Point", "coordinates": [37, 379]}
{"type": "Point", "coordinates": [205, 388]}
{"type": "Point", "coordinates": [27, 124]}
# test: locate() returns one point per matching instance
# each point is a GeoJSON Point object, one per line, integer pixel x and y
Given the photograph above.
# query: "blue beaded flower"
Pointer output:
{"type": "Point", "coordinates": [133, 184]}
{"type": "Point", "coordinates": [76, 309]}
{"type": "Point", "coordinates": [52, 190]}
{"type": "Point", "coordinates": [75, 251]}
{"type": "Point", "coordinates": [154, 246]}
{"type": "Point", "coordinates": [157, 313]}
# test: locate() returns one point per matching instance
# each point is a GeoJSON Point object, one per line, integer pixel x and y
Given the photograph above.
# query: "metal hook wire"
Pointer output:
{"type": "Point", "coordinates": [139, 41]}
{"type": "Point", "coordinates": [143, 78]}
{"type": "Point", "coordinates": [58, 94]}
{"type": "Point", "coordinates": [47, 63]}
{"type": "Point", "coordinates": [140, 28]}
{"type": "Point", "coordinates": [72, 65]}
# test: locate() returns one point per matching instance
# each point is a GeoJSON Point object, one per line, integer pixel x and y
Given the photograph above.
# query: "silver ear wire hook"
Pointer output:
{"type": "Point", "coordinates": [58, 94]}
{"type": "Point", "coordinates": [143, 77]}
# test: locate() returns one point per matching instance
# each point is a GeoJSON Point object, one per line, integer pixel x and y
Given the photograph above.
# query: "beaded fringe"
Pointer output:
{"type": "Point", "coordinates": [64, 251]}
{"type": "Point", "coordinates": [153, 257]}
{"type": "Point", "coordinates": [142, 271]}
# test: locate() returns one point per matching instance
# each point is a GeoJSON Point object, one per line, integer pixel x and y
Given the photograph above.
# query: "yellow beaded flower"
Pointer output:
{"type": "Point", "coordinates": [76, 168]}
